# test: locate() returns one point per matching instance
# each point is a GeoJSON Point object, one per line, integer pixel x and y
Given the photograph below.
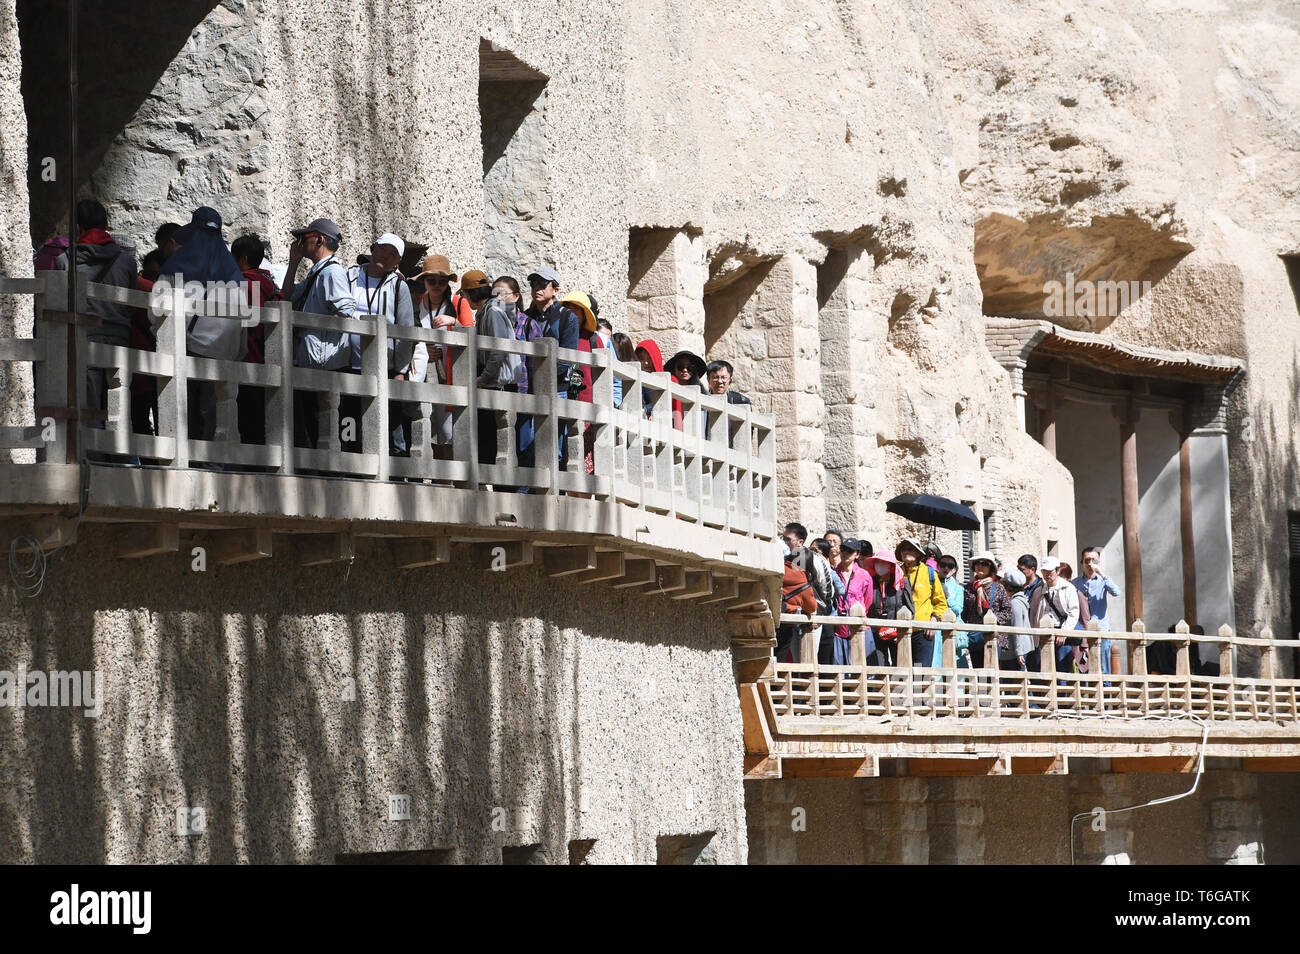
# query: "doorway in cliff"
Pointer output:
{"type": "Point", "coordinates": [517, 223]}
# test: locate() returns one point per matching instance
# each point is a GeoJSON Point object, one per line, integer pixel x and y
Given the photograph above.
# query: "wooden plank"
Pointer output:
{"type": "Point", "coordinates": [669, 579]}
{"type": "Point", "coordinates": [1154, 763]}
{"type": "Point", "coordinates": [228, 547]}
{"type": "Point", "coordinates": [501, 555]}
{"type": "Point", "coordinates": [725, 590]}
{"type": "Point", "coordinates": [699, 583]}
{"type": "Point", "coordinates": [147, 541]}
{"type": "Point", "coordinates": [636, 572]}
{"type": "Point", "coordinates": [610, 565]}
{"type": "Point", "coordinates": [757, 733]}
{"type": "Point", "coordinates": [748, 593]}
{"type": "Point", "coordinates": [430, 551]}
{"type": "Point", "coordinates": [950, 766]}
{"type": "Point", "coordinates": [53, 530]}
{"type": "Point", "coordinates": [567, 561]}
{"type": "Point", "coordinates": [847, 766]}
{"type": "Point", "coordinates": [319, 549]}
{"type": "Point", "coordinates": [1040, 764]}
{"type": "Point", "coordinates": [762, 766]}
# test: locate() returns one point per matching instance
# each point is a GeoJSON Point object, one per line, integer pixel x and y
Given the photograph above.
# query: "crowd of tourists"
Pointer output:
{"type": "Point", "coordinates": [835, 575]}
{"type": "Point", "coordinates": [437, 296]}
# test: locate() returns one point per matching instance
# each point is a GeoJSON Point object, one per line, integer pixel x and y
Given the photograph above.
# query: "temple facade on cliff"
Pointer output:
{"type": "Point", "coordinates": [1042, 262]}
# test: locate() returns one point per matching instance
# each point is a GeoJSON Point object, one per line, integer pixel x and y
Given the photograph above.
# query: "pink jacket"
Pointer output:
{"type": "Point", "coordinates": [860, 588]}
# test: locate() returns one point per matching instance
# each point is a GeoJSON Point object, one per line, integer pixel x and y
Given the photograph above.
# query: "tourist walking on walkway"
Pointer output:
{"type": "Point", "coordinates": [438, 309]}
{"type": "Point", "coordinates": [1094, 587]}
{"type": "Point", "coordinates": [928, 600]}
{"type": "Point", "coordinates": [324, 290]}
{"type": "Point", "coordinates": [984, 593]}
{"type": "Point", "coordinates": [955, 596]}
{"type": "Point", "coordinates": [858, 594]}
{"type": "Point", "coordinates": [1056, 605]}
{"type": "Point", "coordinates": [562, 325]}
{"type": "Point", "coordinates": [1017, 651]}
{"type": "Point", "coordinates": [378, 290]}
{"type": "Point", "coordinates": [889, 595]}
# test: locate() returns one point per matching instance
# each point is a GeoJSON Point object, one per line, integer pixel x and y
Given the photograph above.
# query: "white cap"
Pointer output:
{"type": "Point", "coordinates": [1049, 563]}
{"type": "Point", "coordinates": [388, 238]}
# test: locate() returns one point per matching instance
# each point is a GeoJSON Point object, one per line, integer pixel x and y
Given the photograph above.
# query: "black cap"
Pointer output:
{"type": "Point", "coordinates": [325, 227]}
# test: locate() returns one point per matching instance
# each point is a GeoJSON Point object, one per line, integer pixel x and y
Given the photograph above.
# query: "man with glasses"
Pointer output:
{"type": "Point", "coordinates": [324, 290]}
{"type": "Point", "coordinates": [561, 324]}
{"type": "Point", "coordinates": [1094, 586]}
{"type": "Point", "coordinates": [378, 289]}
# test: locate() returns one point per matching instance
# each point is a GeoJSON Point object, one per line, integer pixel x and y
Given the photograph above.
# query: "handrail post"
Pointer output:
{"type": "Point", "coordinates": [173, 395]}
{"type": "Point", "coordinates": [1267, 661]}
{"type": "Point", "coordinates": [1048, 657]}
{"type": "Point", "coordinates": [1225, 651]}
{"type": "Point", "coordinates": [857, 644]}
{"type": "Point", "coordinates": [464, 438]}
{"type": "Point", "coordinates": [1093, 627]}
{"type": "Point", "coordinates": [546, 425]}
{"type": "Point", "coordinates": [995, 682]}
{"type": "Point", "coordinates": [602, 396]}
{"type": "Point", "coordinates": [279, 402]}
{"type": "Point", "coordinates": [1138, 650]}
{"type": "Point", "coordinates": [904, 660]}
{"type": "Point", "coordinates": [1183, 661]}
{"type": "Point", "coordinates": [50, 376]}
{"type": "Point", "coordinates": [809, 643]}
{"type": "Point", "coordinates": [948, 660]}
{"type": "Point", "coordinates": [375, 437]}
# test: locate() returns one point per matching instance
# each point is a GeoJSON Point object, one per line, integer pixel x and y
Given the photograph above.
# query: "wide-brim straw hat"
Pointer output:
{"type": "Point", "coordinates": [436, 265]}
{"type": "Point", "coordinates": [577, 301]}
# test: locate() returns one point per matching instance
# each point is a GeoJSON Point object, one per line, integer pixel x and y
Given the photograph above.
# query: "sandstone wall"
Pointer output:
{"type": "Point", "coordinates": [1016, 820]}
{"type": "Point", "coordinates": [474, 691]}
{"type": "Point", "coordinates": [15, 245]}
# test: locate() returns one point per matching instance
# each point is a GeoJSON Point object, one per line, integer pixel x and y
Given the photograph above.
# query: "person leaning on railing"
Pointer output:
{"type": "Point", "coordinates": [1055, 604]}
{"type": "Point", "coordinates": [928, 599]}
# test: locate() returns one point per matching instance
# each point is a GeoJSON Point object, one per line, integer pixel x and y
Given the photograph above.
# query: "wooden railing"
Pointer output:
{"type": "Point", "coordinates": [807, 690]}
{"type": "Point", "coordinates": [726, 480]}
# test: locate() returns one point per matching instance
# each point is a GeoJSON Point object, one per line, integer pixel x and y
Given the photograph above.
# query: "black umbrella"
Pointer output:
{"type": "Point", "coordinates": [934, 511]}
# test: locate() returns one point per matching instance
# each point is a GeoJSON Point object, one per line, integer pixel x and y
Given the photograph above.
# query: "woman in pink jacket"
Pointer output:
{"type": "Point", "coordinates": [858, 591]}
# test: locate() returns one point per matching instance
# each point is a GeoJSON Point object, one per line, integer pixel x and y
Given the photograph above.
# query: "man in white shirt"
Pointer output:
{"type": "Point", "coordinates": [1056, 605]}
{"type": "Point", "coordinates": [378, 289]}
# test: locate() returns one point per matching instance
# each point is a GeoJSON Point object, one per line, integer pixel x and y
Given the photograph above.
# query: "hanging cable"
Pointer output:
{"type": "Point", "coordinates": [1200, 770]}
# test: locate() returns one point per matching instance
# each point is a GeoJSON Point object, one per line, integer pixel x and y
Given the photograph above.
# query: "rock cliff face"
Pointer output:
{"type": "Point", "coordinates": [832, 195]}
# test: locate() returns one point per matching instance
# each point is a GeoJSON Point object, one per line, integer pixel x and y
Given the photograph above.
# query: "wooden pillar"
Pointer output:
{"type": "Point", "coordinates": [1182, 424]}
{"type": "Point", "coordinates": [1049, 419]}
{"type": "Point", "coordinates": [1128, 475]}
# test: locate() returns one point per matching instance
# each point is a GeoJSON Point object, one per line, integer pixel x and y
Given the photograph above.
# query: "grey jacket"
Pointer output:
{"type": "Point", "coordinates": [1018, 645]}
{"type": "Point", "coordinates": [493, 321]}
{"type": "Point", "coordinates": [108, 264]}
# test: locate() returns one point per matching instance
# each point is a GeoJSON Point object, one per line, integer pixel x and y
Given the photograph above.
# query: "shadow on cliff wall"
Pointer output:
{"type": "Point", "coordinates": [123, 50]}
{"type": "Point", "coordinates": [1265, 484]}
{"type": "Point", "coordinates": [467, 695]}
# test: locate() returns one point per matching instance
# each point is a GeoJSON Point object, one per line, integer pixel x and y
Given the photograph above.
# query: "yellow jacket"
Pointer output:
{"type": "Point", "coordinates": [930, 601]}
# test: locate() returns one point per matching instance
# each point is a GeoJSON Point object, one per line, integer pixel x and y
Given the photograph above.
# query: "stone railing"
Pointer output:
{"type": "Point", "coordinates": [813, 691]}
{"type": "Point", "coordinates": [724, 481]}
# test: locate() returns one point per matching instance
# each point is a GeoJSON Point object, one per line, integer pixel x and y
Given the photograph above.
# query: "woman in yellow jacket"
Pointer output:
{"type": "Point", "coordinates": [927, 597]}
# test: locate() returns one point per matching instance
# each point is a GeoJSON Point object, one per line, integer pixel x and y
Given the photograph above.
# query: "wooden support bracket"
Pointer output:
{"type": "Point", "coordinates": [725, 590]}
{"type": "Point", "coordinates": [699, 583]}
{"type": "Point", "coordinates": [501, 555]}
{"type": "Point", "coordinates": [567, 561]}
{"type": "Point", "coordinates": [610, 565]}
{"type": "Point", "coordinates": [137, 542]}
{"type": "Point", "coordinates": [426, 551]}
{"type": "Point", "coordinates": [227, 547]}
{"type": "Point", "coordinates": [319, 549]}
